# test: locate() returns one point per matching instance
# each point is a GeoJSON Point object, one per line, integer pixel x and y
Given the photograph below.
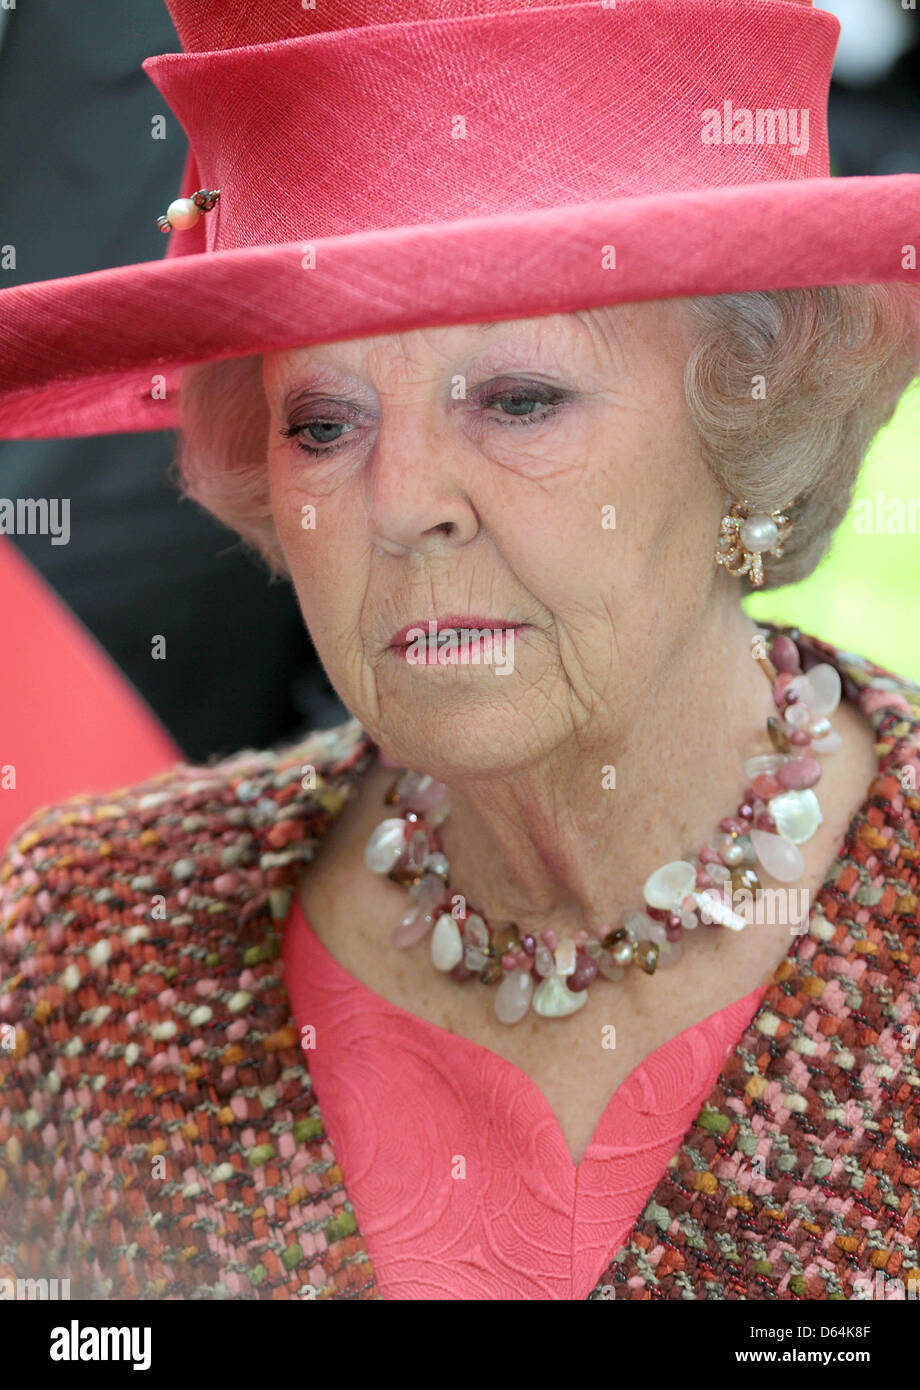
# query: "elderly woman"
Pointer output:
{"type": "Point", "coordinates": [582, 961]}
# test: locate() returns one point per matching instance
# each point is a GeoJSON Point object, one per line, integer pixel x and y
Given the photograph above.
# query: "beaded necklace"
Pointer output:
{"type": "Point", "coordinates": [778, 812]}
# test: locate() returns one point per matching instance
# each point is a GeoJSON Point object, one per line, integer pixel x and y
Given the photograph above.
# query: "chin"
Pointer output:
{"type": "Point", "coordinates": [456, 737]}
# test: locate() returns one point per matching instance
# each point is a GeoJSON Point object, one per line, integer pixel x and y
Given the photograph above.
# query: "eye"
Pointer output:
{"type": "Point", "coordinates": [527, 405]}
{"type": "Point", "coordinates": [520, 406]}
{"type": "Point", "coordinates": [299, 431]}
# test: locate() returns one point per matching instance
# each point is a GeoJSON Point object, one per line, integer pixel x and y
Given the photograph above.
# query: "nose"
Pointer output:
{"type": "Point", "coordinates": [419, 499]}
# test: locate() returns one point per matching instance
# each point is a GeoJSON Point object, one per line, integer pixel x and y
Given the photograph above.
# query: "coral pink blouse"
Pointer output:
{"type": "Point", "coordinates": [458, 1172]}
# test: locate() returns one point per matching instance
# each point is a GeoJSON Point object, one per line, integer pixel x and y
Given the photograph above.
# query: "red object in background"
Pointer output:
{"type": "Point", "coordinates": [70, 721]}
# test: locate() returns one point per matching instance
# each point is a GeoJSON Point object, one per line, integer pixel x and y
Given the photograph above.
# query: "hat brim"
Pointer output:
{"type": "Point", "coordinates": [103, 352]}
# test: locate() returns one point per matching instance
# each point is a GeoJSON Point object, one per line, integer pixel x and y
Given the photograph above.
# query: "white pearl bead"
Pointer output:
{"type": "Point", "coordinates": [446, 943]}
{"type": "Point", "coordinates": [553, 999]}
{"type": "Point", "coordinates": [797, 814]}
{"type": "Point", "coordinates": [386, 845]}
{"type": "Point", "coordinates": [730, 850]}
{"type": "Point", "coordinates": [669, 885]}
{"type": "Point", "coordinates": [182, 213]}
{"type": "Point", "coordinates": [758, 533]}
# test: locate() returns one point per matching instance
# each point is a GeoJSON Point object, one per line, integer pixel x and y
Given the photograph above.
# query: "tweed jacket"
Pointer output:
{"type": "Point", "coordinates": [159, 1135]}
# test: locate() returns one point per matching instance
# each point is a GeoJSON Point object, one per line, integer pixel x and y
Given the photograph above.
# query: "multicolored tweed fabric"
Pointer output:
{"type": "Point", "coordinates": [158, 1130]}
{"type": "Point", "coordinates": [800, 1178]}
{"type": "Point", "coordinates": [160, 1138]}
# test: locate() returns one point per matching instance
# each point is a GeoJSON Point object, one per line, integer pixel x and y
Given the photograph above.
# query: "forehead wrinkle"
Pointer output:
{"type": "Point", "coordinates": [558, 341]}
{"type": "Point", "coordinates": [603, 326]}
{"type": "Point", "coordinates": [541, 338]}
{"type": "Point", "coordinates": [408, 340]}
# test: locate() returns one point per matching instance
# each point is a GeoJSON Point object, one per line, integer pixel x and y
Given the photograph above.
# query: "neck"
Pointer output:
{"type": "Point", "coordinates": [556, 845]}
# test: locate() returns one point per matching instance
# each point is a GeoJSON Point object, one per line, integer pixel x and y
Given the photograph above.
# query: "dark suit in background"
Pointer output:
{"type": "Point", "coordinates": [81, 184]}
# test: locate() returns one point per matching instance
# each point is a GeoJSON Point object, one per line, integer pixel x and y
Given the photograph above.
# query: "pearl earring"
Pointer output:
{"type": "Point", "coordinates": [184, 212]}
{"type": "Point", "coordinates": [745, 535]}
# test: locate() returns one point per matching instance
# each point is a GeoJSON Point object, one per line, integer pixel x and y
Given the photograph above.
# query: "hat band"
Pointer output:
{"type": "Point", "coordinates": [404, 124]}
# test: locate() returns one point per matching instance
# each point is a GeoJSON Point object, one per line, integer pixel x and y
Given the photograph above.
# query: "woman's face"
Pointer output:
{"type": "Point", "coordinates": [542, 473]}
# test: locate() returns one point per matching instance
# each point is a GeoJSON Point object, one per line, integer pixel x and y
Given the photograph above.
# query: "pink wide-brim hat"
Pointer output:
{"type": "Point", "coordinates": [386, 165]}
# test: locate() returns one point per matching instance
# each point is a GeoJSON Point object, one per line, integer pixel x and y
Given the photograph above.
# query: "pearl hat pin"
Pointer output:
{"type": "Point", "coordinates": [386, 165]}
{"type": "Point", "coordinates": [183, 213]}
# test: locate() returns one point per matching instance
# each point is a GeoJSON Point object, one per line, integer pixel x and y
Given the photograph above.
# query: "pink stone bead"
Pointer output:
{"type": "Point", "coordinates": [702, 879]}
{"type": "Point", "coordinates": [584, 972]}
{"type": "Point", "coordinates": [766, 822]}
{"type": "Point", "coordinates": [729, 824]}
{"type": "Point", "coordinates": [779, 688]}
{"type": "Point", "coordinates": [549, 938]}
{"type": "Point", "coordinates": [675, 933]}
{"type": "Point", "coordinates": [708, 856]}
{"type": "Point", "coordinates": [766, 785]}
{"type": "Point", "coordinates": [528, 944]}
{"type": "Point", "coordinates": [799, 773]}
{"type": "Point", "coordinates": [746, 810]}
{"type": "Point", "coordinates": [785, 654]}
{"type": "Point", "coordinates": [509, 961]}
{"type": "Point", "coordinates": [580, 937]}
{"type": "Point", "coordinates": [799, 738]}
